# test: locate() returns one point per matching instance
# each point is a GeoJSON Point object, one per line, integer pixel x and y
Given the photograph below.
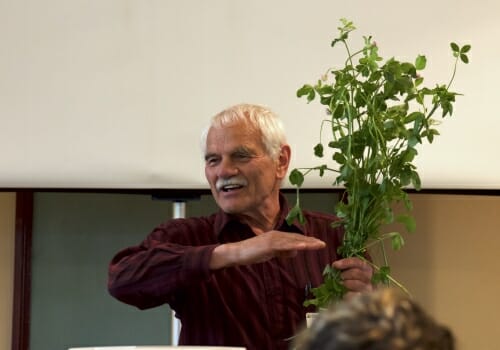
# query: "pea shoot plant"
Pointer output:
{"type": "Point", "coordinates": [378, 112]}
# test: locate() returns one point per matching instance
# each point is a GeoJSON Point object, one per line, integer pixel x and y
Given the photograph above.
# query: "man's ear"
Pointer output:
{"type": "Point", "coordinates": [283, 161]}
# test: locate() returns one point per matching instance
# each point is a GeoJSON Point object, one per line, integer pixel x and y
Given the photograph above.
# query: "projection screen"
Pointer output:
{"type": "Point", "coordinates": [114, 94]}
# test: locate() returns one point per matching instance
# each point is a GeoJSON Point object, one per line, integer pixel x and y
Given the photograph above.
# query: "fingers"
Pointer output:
{"type": "Point", "coordinates": [357, 286]}
{"type": "Point", "coordinates": [285, 241]}
{"type": "Point", "coordinates": [356, 274]}
{"type": "Point", "coordinates": [349, 263]}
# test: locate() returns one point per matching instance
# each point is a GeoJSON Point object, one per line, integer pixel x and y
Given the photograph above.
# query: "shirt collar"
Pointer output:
{"type": "Point", "coordinates": [223, 219]}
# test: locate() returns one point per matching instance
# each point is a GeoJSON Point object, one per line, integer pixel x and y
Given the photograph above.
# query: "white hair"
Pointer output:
{"type": "Point", "coordinates": [259, 117]}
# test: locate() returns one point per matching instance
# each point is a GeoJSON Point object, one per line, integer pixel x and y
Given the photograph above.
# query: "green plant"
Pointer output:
{"type": "Point", "coordinates": [378, 112]}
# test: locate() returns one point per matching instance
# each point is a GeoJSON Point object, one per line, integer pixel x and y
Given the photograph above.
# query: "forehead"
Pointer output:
{"type": "Point", "coordinates": [234, 135]}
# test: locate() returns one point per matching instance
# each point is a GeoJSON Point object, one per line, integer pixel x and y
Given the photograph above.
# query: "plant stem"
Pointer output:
{"type": "Point", "coordinates": [392, 279]}
{"type": "Point", "coordinates": [453, 75]}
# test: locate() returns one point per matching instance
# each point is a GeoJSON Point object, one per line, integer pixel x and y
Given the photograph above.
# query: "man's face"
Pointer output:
{"type": "Point", "coordinates": [242, 176]}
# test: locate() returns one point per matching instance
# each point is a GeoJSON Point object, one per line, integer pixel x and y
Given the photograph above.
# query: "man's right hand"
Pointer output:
{"type": "Point", "coordinates": [261, 248]}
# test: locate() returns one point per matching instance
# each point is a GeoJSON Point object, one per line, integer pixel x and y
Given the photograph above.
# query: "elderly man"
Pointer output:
{"type": "Point", "coordinates": [237, 277]}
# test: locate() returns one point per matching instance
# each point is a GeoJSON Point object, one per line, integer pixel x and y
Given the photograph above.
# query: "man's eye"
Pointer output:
{"type": "Point", "coordinates": [211, 161]}
{"type": "Point", "coordinates": [243, 156]}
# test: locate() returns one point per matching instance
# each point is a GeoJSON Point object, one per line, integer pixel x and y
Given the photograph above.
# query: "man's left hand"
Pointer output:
{"type": "Point", "coordinates": [356, 275]}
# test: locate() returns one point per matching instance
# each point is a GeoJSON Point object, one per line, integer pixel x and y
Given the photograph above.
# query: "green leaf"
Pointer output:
{"type": "Point", "coordinates": [415, 180]}
{"type": "Point", "coordinates": [409, 154]}
{"type": "Point", "coordinates": [296, 177]}
{"type": "Point", "coordinates": [318, 150]}
{"type": "Point", "coordinates": [413, 141]}
{"type": "Point", "coordinates": [295, 214]}
{"type": "Point", "coordinates": [324, 90]}
{"type": "Point", "coordinates": [408, 68]}
{"type": "Point", "coordinates": [465, 49]}
{"type": "Point", "coordinates": [331, 290]}
{"type": "Point", "coordinates": [454, 47]}
{"type": "Point", "coordinates": [420, 62]}
{"type": "Point", "coordinates": [397, 242]}
{"type": "Point", "coordinates": [464, 58]}
{"type": "Point", "coordinates": [414, 116]}
{"type": "Point", "coordinates": [304, 90]}
{"type": "Point", "coordinates": [407, 202]}
{"type": "Point", "coordinates": [338, 112]}
{"type": "Point", "coordinates": [341, 210]}
{"type": "Point", "coordinates": [311, 96]}
{"type": "Point", "coordinates": [430, 134]}
{"type": "Point", "coordinates": [408, 221]}
{"type": "Point", "coordinates": [381, 275]}
{"type": "Point", "coordinates": [346, 171]}
{"type": "Point", "coordinates": [339, 158]}
{"type": "Point", "coordinates": [385, 270]}
{"type": "Point", "coordinates": [334, 144]}
{"type": "Point", "coordinates": [322, 169]}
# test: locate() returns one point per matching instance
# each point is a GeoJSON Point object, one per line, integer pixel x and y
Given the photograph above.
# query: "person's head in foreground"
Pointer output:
{"type": "Point", "coordinates": [381, 320]}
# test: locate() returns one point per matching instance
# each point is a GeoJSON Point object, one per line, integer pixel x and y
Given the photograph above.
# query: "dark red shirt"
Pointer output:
{"type": "Point", "coordinates": [256, 306]}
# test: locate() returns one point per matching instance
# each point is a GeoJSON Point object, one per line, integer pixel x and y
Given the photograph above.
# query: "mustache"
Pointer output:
{"type": "Point", "coordinates": [231, 181]}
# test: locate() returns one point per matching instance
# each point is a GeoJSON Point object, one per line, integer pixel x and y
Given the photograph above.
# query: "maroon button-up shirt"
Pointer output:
{"type": "Point", "coordinates": [256, 306]}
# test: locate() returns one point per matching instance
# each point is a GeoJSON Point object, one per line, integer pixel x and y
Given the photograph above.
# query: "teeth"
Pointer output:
{"type": "Point", "coordinates": [230, 187]}
{"type": "Point", "coordinates": [228, 184]}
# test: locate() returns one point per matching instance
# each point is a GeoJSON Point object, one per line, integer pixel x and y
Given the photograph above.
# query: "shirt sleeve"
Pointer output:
{"type": "Point", "coordinates": [174, 256]}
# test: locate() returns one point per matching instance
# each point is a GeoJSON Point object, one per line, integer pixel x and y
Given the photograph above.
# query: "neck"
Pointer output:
{"type": "Point", "coordinates": [263, 220]}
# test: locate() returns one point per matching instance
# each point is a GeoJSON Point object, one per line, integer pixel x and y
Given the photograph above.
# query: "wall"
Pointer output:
{"type": "Point", "coordinates": [449, 264]}
{"type": "Point", "coordinates": [7, 229]}
{"type": "Point", "coordinates": [75, 236]}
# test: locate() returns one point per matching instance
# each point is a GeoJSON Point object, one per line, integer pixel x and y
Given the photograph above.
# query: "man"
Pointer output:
{"type": "Point", "coordinates": [238, 277]}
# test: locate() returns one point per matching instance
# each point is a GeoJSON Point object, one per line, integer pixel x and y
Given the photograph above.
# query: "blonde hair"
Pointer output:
{"type": "Point", "coordinates": [255, 116]}
{"type": "Point", "coordinates": [381, 320]}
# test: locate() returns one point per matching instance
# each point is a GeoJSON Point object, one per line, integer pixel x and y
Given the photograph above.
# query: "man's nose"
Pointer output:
{"type": "Point", "coordinates": [227, 168]}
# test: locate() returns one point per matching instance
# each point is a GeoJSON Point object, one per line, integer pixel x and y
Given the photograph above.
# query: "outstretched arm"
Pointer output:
{"type": "Point", "coordinates": [150, 274]}
{"type": "Point", "coordinates": [261, 248]}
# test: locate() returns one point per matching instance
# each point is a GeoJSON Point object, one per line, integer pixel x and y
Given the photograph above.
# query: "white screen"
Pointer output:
{"type": "Point", "coordinates": [114, 94]}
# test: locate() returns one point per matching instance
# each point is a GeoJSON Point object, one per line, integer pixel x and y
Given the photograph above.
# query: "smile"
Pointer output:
{"type": "Point", "coordinates": [229, 188]}
{"type": "Point", "coordinates": [230, 184]}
